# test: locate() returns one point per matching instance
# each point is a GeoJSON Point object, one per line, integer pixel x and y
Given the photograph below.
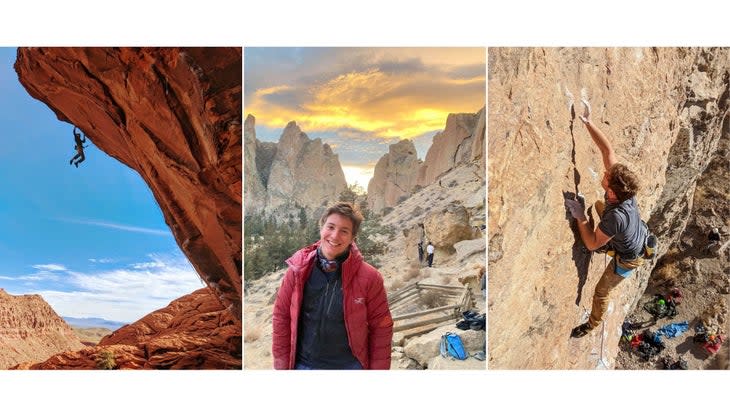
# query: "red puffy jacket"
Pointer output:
{"type": "Point", "coordinates": [367, 316]}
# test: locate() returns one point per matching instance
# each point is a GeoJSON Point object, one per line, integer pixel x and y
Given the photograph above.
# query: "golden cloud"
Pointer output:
{"type": "Point", "coordinates": [388, 104]}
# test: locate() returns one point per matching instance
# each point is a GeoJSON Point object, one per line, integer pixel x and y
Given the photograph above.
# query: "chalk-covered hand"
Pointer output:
{"type": "Point", "coordinates": [576, 209]}
{"type": "Point", "coordinates": [586, 117]}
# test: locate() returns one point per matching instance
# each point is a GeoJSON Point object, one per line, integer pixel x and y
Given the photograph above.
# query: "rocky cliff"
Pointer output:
{"type": "Point", "coordinates": [296, 172]}
{"type": "Point", "coordinates": [461, 141]}
{"type": "Point", "coordinates": [664, 111]}
{"type": "Point", "coordinates": [394, 176]}
{"type": "Point", "coordinates": [399, 173]}
{"type": "Point", "coordinates": [31, 331]}
{"type": "Point", "coordinates": [254, 189]}
{"type": "Point", "coordinates": [174, 116]}
{"type": "Point", "coordinates": [193, 332]}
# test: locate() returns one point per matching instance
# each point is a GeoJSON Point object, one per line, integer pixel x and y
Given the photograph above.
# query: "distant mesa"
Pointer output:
{"type": "Point", "coordinates": [93, 322]}
{"type": "Point", "coordinates": [30, 330]}
{"type": "Point", "coordinates": [193, 332]}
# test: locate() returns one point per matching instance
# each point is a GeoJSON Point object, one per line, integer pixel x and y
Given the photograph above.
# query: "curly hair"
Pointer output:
{"type": "Point", "coordinates": [349, 210]}
{"type": "Point", "coordinates": [623, 182]}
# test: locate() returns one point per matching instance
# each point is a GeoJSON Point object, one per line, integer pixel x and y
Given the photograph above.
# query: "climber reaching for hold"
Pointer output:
{"type": "Point", "coordinates": [620, 229]}
{"type": "Point", "coordinates": [79, 140]}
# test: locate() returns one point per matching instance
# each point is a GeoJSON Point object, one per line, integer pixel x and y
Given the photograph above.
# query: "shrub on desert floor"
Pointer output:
{"type": "Point", "coordinates": [105, 361]}
{"type": "Point", "coordinates": [431, 299]}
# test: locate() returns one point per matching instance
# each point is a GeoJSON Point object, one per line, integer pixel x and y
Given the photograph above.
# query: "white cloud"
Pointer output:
{"type": "Point", "coordinates": [102, 260]}
{"type": "Point", "coordinates": [125, 294]}
{"type": "Point", "coordinates": [46, 272]}
{"type": "Point", "coordinates": [122, 227]}
{"type": "Point", "coordinates": [50, 267]}
{"type": "Point", "coordinates": [140, 266]}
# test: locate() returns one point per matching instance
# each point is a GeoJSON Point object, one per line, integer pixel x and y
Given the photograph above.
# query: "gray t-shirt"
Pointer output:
{"type": "Point", "coordinates": [623, 222]}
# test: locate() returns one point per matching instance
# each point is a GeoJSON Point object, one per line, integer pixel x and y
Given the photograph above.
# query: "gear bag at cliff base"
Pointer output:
{"type": "Point", "coordinates": [451, 346]}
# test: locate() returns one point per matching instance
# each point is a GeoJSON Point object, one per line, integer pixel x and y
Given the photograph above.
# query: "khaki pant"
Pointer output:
{"type": "Point", "coordinates": [609, 280]}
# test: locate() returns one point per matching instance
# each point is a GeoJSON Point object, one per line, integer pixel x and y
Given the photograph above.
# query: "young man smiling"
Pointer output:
{"type": "Point", "coordinates": [331, 311]}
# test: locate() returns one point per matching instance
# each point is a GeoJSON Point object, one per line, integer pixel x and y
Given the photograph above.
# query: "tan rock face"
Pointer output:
{"type": "Point", "coordinates": [446, 227]}
{"type": "Point", "coordinates": [174, 116]}
{"type": "Point", "coordinates": [295, 172]}
{"type": "Point", "coordinates": [450, 147]}
{"type": "Point", "coordinates": [303, 172]}
{"type": "Point", "coordinates": [399, 172]}
{"type": "Point", "coordinates": [394, 176]}
{"type": "Point", "coordinates": [254, 192]}
{"type": "Point", "coordinates": [31, 331]}
{"type": "Point", "coordinates": [479, 146]}
{"type": "Point", "coordinates": [662, 109]}
{"type": "Point", "coordinates": [193, 332]}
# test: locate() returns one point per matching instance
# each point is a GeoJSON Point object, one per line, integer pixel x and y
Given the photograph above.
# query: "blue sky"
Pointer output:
{"type": "Point", "coordinates": [91, 240]}
{"type": "Point", "coordinates": [360, 100]}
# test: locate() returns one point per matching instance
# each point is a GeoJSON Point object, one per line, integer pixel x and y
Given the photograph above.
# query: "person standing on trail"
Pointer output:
{"type": "Point", "coordinates": [620, 229]}
{"type": "Point", "coordinates": [331, 311]}
{"type": "Point", "coordinates": [429, 253]}
{"type": "Point", "coordinates": [713, 240]}
{"type": "Point", "coordinates": [420, 251]}
{"type": "Point", "coordinates": [79, 141]}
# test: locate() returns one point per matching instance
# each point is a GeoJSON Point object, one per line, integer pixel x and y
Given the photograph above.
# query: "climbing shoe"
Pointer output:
{"type": "Point", "coordinates": [581, 330]}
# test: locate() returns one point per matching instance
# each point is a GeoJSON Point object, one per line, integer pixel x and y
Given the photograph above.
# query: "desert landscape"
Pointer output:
{"type": "Point", "coordinates": [174, 116]}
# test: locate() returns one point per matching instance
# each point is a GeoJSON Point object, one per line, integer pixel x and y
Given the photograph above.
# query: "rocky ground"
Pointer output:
{"type": "Point", "coordinates": [460, 267]}
{"type": "Point", "coordinates": [702, 279]}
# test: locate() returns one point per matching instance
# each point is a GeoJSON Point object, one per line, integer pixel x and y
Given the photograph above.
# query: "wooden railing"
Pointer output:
{"type": "Point", "coordinates": [454, 301]}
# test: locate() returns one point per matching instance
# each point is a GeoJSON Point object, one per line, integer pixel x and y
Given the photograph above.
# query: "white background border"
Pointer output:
{"type": "Point", "coordinates": [368, 23]}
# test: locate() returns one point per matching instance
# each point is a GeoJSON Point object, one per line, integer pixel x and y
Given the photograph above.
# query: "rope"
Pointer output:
{"type": "Point", "coordinates": [603, 324]}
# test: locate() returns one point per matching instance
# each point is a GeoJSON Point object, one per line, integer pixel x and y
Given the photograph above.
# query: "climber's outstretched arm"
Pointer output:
{"type": "Point", "coordinates": [609, 156]}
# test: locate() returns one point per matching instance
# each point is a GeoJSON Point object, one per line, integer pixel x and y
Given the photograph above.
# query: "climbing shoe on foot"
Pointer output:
{"type": "Point", "coordinates": [581, 330]}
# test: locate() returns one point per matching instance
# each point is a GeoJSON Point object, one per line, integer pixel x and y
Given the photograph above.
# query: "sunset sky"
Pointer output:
{"type": "Point", "coordinates": [361, 100]}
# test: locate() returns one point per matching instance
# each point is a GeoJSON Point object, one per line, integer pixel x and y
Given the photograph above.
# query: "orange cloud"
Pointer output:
{"type": "Point", "coordinates": [402, 102]}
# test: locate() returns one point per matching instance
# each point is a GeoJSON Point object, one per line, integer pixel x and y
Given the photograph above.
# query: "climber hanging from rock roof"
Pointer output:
{"type": "Point", "coordinates": [621, 232]}
{"type": "Point", "coordinates": [79, 148]}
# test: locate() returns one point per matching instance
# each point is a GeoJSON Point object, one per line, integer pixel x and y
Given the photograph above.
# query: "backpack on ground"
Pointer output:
{"type": "Point", "coordinates": [472, 321]}
{"type": "Point", "coordinates": [451, 346]}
